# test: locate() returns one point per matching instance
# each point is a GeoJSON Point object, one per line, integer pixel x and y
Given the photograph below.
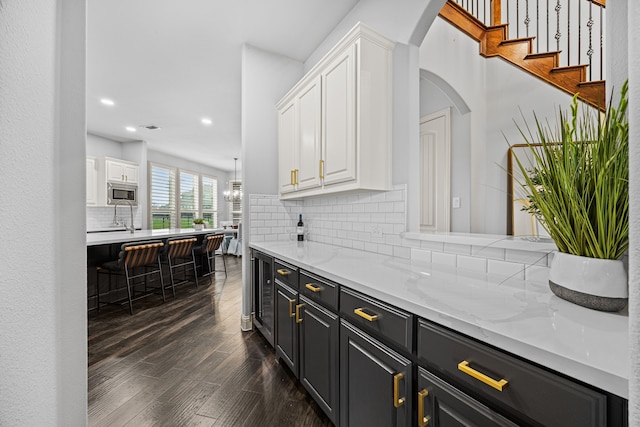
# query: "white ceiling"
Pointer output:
{"type": "Point", "coordinates": [170, 64]}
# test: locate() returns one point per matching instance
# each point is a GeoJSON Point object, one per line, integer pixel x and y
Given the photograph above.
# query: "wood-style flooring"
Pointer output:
{"type": "Point", "coordinates": [187, 363]}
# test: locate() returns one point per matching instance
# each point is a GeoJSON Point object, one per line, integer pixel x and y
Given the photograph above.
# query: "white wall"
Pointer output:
{"type": "Point", "coordinates": [266, 77]}
{"type": "Point", "coordinates": [629, 20]}
{"type": "Point", "coordinates": [99, 146]}
{"type": "Point", "coordinates": [494, 90]}
{"type": "Point", "coordinates": [42, 149]}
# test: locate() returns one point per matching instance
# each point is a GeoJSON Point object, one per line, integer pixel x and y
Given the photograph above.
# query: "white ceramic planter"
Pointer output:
{"type": "Point", "coordinates": [600, 284]}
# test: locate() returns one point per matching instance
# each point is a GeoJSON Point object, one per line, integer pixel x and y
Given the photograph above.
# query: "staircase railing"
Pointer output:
{"type": "Point", "coordinates": [575, 28]}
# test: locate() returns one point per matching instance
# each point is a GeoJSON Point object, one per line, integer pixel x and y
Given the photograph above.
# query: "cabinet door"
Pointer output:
{"type": "Point", "coordinates": [319, 355]}
{"type": "Point", "coordinates": [287, 147]}
{"type": "Point", "coordinates": [442, 405]}
{"type": "Point", "coordinates": [130, 173]}
{"type": "Point", "coordinates": [309, 142]}
{"type": "Point", "coordinates": [92, 182]}
{"type": "Point", "coordinates": [262, 277]}
{"type": "Point", "coordinates": [339, 117]}
{"type": "Point", "coordinates": [375, 382]}
{"type": "Point", "coordinates": [114, 171]}
{"type": "Point", "coordinates": [286, 327]}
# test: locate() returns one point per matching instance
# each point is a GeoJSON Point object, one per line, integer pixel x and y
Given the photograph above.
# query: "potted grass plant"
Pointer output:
{"type": "Point", "coordinates": [578, 190]}
{"type": "Point", "coordinates": [198, 223]}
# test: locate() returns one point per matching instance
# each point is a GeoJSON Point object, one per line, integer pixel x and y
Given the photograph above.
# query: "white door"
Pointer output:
{"type": "Point", "coordinates": [309, 149]}
{"type": "Point", "coordinates": [338, 118]}
{"type": "Point", "coordinates": [435, 171]}
{"type": "Point", "coordinates": [130, 173]}
{"type": "Point", "coordinates": [286, 147]}
{"type": "Point", "coordinates": [92, 182]}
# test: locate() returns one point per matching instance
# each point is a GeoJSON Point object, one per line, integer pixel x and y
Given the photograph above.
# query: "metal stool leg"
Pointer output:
{"type": "Point", "coordinates": [126, 271]}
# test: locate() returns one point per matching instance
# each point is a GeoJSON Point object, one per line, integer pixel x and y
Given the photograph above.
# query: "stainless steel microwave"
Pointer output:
{"type": "Point", "coordinates": [117, 191]}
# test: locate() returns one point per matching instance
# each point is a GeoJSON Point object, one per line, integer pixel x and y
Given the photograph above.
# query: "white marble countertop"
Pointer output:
{"type": "Point", "coordinates": [520, 317]}
{"type": "Point", "coordinates": [108, 237]}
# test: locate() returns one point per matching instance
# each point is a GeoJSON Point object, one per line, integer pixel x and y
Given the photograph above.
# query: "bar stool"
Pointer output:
{"type": "Point", "coordinates": [134, 256]}
{"type": "Point", "coordinates": [180, 253]}
{"type": "Point", "coordinates": [210, 245]}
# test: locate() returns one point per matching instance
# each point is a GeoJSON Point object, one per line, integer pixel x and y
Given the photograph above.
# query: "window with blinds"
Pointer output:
{"type": "Point", "coordinates": [235, 207]}
{"type": "Point", "coordinates": [178, 197]}
{"type": "Point", "coordinates": [210, 200]}
{"type": "Point", "coordinates": [163, 197]}
{"type": "Point", "coordinates": [188, 198]}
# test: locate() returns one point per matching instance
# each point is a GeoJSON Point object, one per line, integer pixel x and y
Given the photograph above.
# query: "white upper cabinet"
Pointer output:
{"type": "Point", "coordinates": [92, 181]}
{"type": "Point", "coordinates": [334, 126]}
{"type": "Point", "coordinates": [121, 171]}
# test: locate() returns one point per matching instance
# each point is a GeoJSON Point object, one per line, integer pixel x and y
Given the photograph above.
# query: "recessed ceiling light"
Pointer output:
{"type": "Point", "coordinates": [130, 128]}
{"type": "Point", "coordinates": [108, 102]}
{"type": "Point", "coordinates": [206, 121]}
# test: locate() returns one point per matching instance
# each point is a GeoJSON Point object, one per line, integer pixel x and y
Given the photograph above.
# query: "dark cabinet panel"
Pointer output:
{"type": "Point", "coordinates": [378, 318]}
{"type": "Point", "coordinates": [375, 382]}
{"type": "Point", "coordinates": [441, 405]}
{"type": "Point", "coordinates": [320, 290]}
{"type": "Point", "coordinates": [263, 294]}
{"type": "Point", "coordinates": [527, 393]}
{"type": "Point", "coordinates": [319, 355]}
{"type": "Point", "coordinates": [286, 273]}
{"type": "Point", "coordinates": [287, 330]}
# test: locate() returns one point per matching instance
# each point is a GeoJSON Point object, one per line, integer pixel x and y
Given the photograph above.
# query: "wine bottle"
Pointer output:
{"type": "Point", "coordinates": [300, 229]}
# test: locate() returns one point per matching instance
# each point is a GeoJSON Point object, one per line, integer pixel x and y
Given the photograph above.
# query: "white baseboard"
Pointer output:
{"type": "Point", "coordinates": [245, 323]}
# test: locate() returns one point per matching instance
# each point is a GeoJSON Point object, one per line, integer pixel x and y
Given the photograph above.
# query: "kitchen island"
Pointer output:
{"type": "Point", "coordinates": [521, 318]}
{"type": "Point", "coordinates": [105, 246]}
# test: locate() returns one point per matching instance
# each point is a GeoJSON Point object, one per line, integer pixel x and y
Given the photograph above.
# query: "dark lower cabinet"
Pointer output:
{"type": "Point", "coordinates": [307, 342]}
{"type": "Point", "coordinates": [319, 355]}
{"type": "Point", "coordinates": [263, 294]}
{"type": "Point", "coordinates": [375, 382]}
{"type": "Point", "coordinates": [287, 331]}
{"type": "Point", "coordinates": [442, 405]}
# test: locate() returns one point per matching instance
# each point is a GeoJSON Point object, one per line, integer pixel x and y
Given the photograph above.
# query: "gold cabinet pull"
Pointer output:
{"type": "Point", "coordinates": [397, 400]}
{"type": "Point", "coordinates": [422, 420]}
{"type": "Point", "coordinates": [283, 272]}
{"type": "Point", "coordinates": [291, 302]}
{"type": "Point", "coordinates": [295, 176]}
{"type": "Point", "coordinates": [366, 316]}
{"type": "Point", "coordinates": [312, 287]}
{"type": "Point", "coordinates": [298, 318]}
{"type": "Point", "coordinates": [498, 385]}
{"type": "Point", "coordinates": [321, 169]}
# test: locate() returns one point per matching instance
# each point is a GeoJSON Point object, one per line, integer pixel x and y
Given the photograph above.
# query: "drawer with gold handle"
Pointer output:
{"type": "Point", "coordinates": [497, 384]}
{"type": "Point", "coordinates": [313, 287]}
{"type": "Point", "coordinates": [286, 273]}
{"type": "Point", "coordinates": [319, 289]}
{"type": "Point", "coordinates": [366, 314]}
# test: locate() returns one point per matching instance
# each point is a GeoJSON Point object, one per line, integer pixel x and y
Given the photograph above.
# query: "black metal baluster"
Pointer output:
{"type": "Point", "coordinates": [548, 32]}
{"type": "Point", "coordinates": [579, 31]}
{"type": "Point", "coordinates": [558, 33]}
{"type": "Point", "coordinates": [601, 43]}
{"type": "Point", "coordinates": [569, 32]}
{"type": "Point", "coordinates": [590, 26]}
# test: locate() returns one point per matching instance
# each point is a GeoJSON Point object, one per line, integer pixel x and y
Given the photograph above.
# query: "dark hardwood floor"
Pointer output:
{"type": "Point", "coordinates": [187, 363]}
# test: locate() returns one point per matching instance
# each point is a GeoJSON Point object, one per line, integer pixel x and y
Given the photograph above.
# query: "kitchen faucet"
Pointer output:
{"type": "Point", "coordinates": [115, 217]}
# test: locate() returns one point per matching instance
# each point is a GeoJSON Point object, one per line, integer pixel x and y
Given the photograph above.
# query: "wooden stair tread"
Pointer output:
{"type": "Point", "coordinates": [544, 65]}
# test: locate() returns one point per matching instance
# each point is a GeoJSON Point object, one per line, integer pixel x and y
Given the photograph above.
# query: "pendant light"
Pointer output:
{"type": "Point", "coordinates": [235, 195]}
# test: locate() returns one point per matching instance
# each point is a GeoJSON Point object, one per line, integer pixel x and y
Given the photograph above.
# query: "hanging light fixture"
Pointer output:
{"type": "Point", "coordinates": [235, 195]}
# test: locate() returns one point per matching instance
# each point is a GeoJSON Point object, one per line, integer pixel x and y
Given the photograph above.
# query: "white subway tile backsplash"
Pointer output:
{"type": "Point", "coordinates": [343, 220]}
{"type": "Point", "coordinates": [504, 268]}
{"type": "Point", "coordinates": [456, 248]}
{"type": "Point", "coordinates": [420, 255]}
{"type": "Point", "coordinates": [536, 273]}
{"type": "Point", "coordinates": [475, 264]}
{"type": "Point", "coordinates": [526, 257]}
{"type": "Point", "coordinates": [432, 246]}
{"type": "Point", "coordinates": [443, 258]}
{"type": "Point", "coordinates": [487, 252]}
{"type": "Point", "coordinates": [401, 252]}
